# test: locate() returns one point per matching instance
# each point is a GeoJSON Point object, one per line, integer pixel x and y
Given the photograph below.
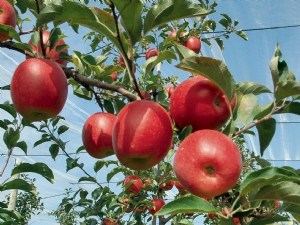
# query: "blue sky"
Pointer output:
{"type": "Point", "coordinates": [247, 61]}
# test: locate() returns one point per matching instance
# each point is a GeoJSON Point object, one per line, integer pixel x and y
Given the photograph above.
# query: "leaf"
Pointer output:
{"type": "Point", "coordinates": [292, 107]}
{"type": "Point", "coordinates": [74, 13]}
{"type": "Point", "coordinates": [287, 191]}
{"type": "Point", "coordinates": [113, 172]}
{"type": "Point", "coordinates": [54, 150]}
{"type": "Point", "coordinates": [41, 141]}
{"type": "Point", "coordinates": [62, 129]}
{"type": "Point", "coordinates": [184, 52]}
{"type": "Point", "coordinates": [185, 132]}
{"type": "Point", "coordinates": [247, 109]}
{"type": "Point", "coordinates": [293, 209]}
{"type": "Point", "coordinates": [186, 204]}
{"type": "Point", "coordinates": [286, 89]}
{"type": "Point", "coordinates": [11, 137]}
{"type": "Point", "coordinates": [10, 31]}
{"type": "Point", "coordinates": [242, 34]}
{"type": "Point", "coordinates": [131, 14]}
{"type": "Point", "coordinates": [98, 165]}
{"type": "Point", "coordinates": [266, 130]}
{"type": "Point", "coordinates": [260, 178]}
{"type": "Point", "coordinates": [22, 145]}
{"type": "Point", "coordinates": [82, 92]}
{"type": "Point", "coordinates": [19, 184]}
{"type": "Point", "coordinates": [90, 179]}
{"type": "Point", "coordinates": [9, 108]}
{"type": "Point", "coordinates": [39, 168]}
{"type": "Point", "coordinates": [167, 10]}
{"type": "Point", "coordinates": [108, 106]}
{"type": "Point", "coordinates": [213, 69]}
{"type": "Point", "coordinates": [268, 220]}
{"type": "Point", "coordinates": [252, 88]}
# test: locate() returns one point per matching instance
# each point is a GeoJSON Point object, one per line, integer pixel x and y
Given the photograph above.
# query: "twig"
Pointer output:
{"type": "Point", "coordinates": [6, 162]}
{"type": "Point", "coordinates": [40, 30]}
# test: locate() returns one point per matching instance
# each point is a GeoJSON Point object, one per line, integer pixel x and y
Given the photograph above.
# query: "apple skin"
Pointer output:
{"type": "Point", "coordinates": [97, 135]}
{"type": "Point", "coordinates": [109, 221]}
{"type": "Point", "coordinates": [200, 103]}
{"type": "Point", "coordinates": [151, 53]}
{"type": "Point", "coordinates": [136, 184]}
{"type": "Point", "coordinates": [142, 134]}
{"type": "Point", "coordinates": [52, 54]}
{"type": "Point", "coordinates": [207, 163]}
{"type": "Point", "coordinates": [39, 89]}
{"type": "Point", "coordinates": [7, 17]}
{"type": "Point", "coordinates": [157, 203]}
{"type": "Point", "coordinates": [166, 186]}
{"type": "Point", "coordinates": [193, 43]}
{"type": "Point", "coordinates": [114, 76]}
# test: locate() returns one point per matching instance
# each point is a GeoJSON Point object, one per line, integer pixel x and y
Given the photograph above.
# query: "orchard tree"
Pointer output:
{"type": "Point", "coordinates": [166, 133]}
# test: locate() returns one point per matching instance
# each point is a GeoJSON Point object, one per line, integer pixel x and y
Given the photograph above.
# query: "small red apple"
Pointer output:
{"type": "Point", "coordinates": [236, 221]}
{"type": "Point", "coordinates": [133, 184]}
{"type": "Point", "coordinates": [147, 183]}
{"type": "Point", "coordinates": [180, 188]}
{"type": "Point", "coordinates": [170, 90]}
{"type": "Point", "coordinates": [157, 203]}
{"type": "Point", "coordinates": [97, 135]}
{"type": "Point", "coordinates": [193, 43]}
{"type": "Point", "coordinates": [7, 17]}
{"type": "Point", "coordinates": [110, 221]}
{"type": "Point", "coordinates": [114, 76]}
{"type": "Point", "coordinates": [207, 163]}
{"type": "Point", "coordinates": [53, 53]}
{"type": "Point", "coordinates": [173, 34]}
{"type": "Point", "coordinates": [121, 61]}
{"type": "Point", "coordinates": [151, 53]}
{"type": "Point", "coordinates": [212, 216]}
{"type": "Point", "coordinates": [142, 134]}
{"type": "Point", "coordinates": [166, 186]}
{"type": "Point", "coordinates": [200, 103]}
{"type": "Point", "coordinates": [39, 89]}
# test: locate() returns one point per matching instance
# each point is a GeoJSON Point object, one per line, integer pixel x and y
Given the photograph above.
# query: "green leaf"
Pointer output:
{"type": "Point", "coordinates": [9, 214]}
{"type": "Point", "coordinates": [22, 145]}
{"type": "Point", "coordinates": [269, 175]}
{"type": "Point", "coordinates": [54, 150]}
{"type": "Point", "coordinates": [185, 132]}
{"type": "Point", "coordinates": [268, 220]}
{"type": "Point", "coordinates": [72, 163]}
{"type": "Point", "coordinates": [113, 172]}
{"type": "Point", "coordinates": [62, 129]}
{"type": "Point", "coordinates": [252, 88]}
{"type": "Point", "coordinates": [98, 165]}
{"type": "Point", "coordinates": [213, 69]}
{"type": "Point", "coordinates": [293, 209]}
{"type": "Point", "coordinates": [266, 130]}
{"type": "Point", "coordinates": [131, 14]}
{"type": "Point", "coordinates": [247, 109]}
{"type": "Point", "coordinates": [19, 184]}
{"type": "Point", "coordinates": [184, 52]}
{"type": "Point", "coordinates": [39, 168]}
{"type": "Point", "coordinates": [292, 107]}
{"type": "Point", "coordinates": [10, 31]}
{"type": "Point", "coordinates": [186, 204]}
{"type": "Point", "coordinates": [167, 10]}
{"type": "Point", "coordinates": [89, 179]}
{"type": "Point", "coordinates": [286, 89]}
{"type": "Point", "coordinates": [9, 108]}
{"type": "Point", "coordinates": [108, 106]}
{"type": "Point", "coordinates": [82, 92]}
{"type": "Point", "coordinates": [11, 137]}
{"type": "Point", "coordinates": [242, 34]}
{"type": "Point", "coordinates": [287, 191]}
{"type": "Point", "coordinates": [74, 13]}
{"type": "Point", "coordinates": [41, 141]}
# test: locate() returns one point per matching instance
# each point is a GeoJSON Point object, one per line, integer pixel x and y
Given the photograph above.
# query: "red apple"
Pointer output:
{"type": "Point", "coordinates": [236, 221]}
{"type": "Point", "coordinates": [7, 17]}
{"type": "Point", "coordinates": [97, 134]}
{"type": "Point", "coordinates": [193, 43]}
{"type": "Point", "coordinates": [170, 90]}
{"type": "Point", "coordinates": [121, 61]}
{"type": "Point", "coordinates": [39, 89]}
{"type": "Point", "coordinates": [142, 134]}
{"type": "Point", "coordinates": [157, 203]}
{"type": "Point", "coordinates": [212, 216]}
{"type": "Point", "coordinates": [151, 53]}
{"type": "Point", "coordinates": [173, 34]}
{"type": "Point", "coordinates": [207, 163]}
{"type": "Point", "coordinates": [200, 103]}
{"type": "Point", "coordinates": [109, 221]}
{"type": "Point", "coordinates": [53, 53]}
{"type": "Point", "coordinates": [147, 183]}
{"type": "Point", "coordinates": [114, 76]}
{"type": "Point", "coordinates": [133, 184]}
{"type": "Point", "coordinates": [180, 187]}
{"type": "Point", "coordinates": [166, 186]}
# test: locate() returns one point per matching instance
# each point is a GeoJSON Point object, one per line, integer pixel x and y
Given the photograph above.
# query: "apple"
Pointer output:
{"type": "Point", "coordinates": [170, 90]}
{"type": "Point", "coordinates": [236, 221]}
{"type": "Point", "coordinates": [39, 89]}
{"type": "Point", "coordinates": [114, 76]}
{"type": "Point", "coordinates": [53, 53]}
{"type": "Point", "coordinates": [212, 216]}
{"type": "Point", "coordinates": [173, 34]}
{"type": "Point", "coordinates": [7, 17]}
{"type": "Point", "coordinates": [151, 53]}
{"type": "Point", "coordinates": [157, 204]}
{"type": "Point", "coordinates": [97, 134]}
{"type": "Point", "coordinates": [142, 134]}
{"type": "Point", "coordinates": [200, 103]}
{"type": "Point", "coordinates": [166, 186]}
{"type": "Point", "coordinates": [133, 184]}
{"type": "Point", "coordinates": [193, 43]}
{"type": "Point", "coordinates": [180, 187]}
{"type": "Point", "coordinates": [207, 163]}
{"type": "Point", "coordinates": [121, 61]}
{"type": "Point", "coordinates": [109, 221]}
{"type": "Point", "coordinates": [147, 183]}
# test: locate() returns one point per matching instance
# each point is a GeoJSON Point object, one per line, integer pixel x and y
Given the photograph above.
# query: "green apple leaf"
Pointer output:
{"type": "Point", "coordinates": [266, 176]}
{"type": "Point", "coordinates": [252, 88]}
{"type": "Point", "coordinates": [39, 168]}
{"type": "Point", "coordinates": [266, 130]}
{"type": "Point", "coordinates": [168, 10]}
{"type": "Point", "coordinates": [292, 107]}
{"type": "Point", "coordinates": [247, 109]}
{"type": "Point", "coordinates": [186, 204]}
{"type": "Point", "coordinates": [286, 89]}
{"type": "Point", "coordinates": [131, 15]}
{"type": "Point", "coordinates": [287, 191]}
{"type": "Point", "coordinates": [19, 184]}
{"type": "Point", "coordinates": [22, 145]}
{"type": "Point", "coordinates": [268, 220]}
{"type": "Point", "coordinates": [213, 69]}
{"type": "Point", "coordinates": [74, 13]}
{"type": "Point", "coordinates": [293, 209]}
{"type": "Point", "coordinates": [113, 172]}
{"type": "Point", "coordinates": [11, 137]}
{"type": "Point", "coordinates": [9, 215]}
{"type": "Point", "coordinates": [54, 150]}
{"type": "Point", "coordinates": [184, 52]}
{"type": "Point", "coordinates": [264, 110]}
{"type": "Point", "coordinates": [9, 31]}
{"type": "Point", "coordinates": [9, 108]}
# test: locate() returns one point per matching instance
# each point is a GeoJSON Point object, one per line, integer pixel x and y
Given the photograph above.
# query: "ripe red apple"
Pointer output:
{"type": "Point", "coordinates": [142, 134]}
{"type": "Point", "coordinates": [200, 103]}
{"type": "Point", "coordinates": [39, 89]}
{"type": "Point", "coordinates": [133, 184]}
{"type": "Point", "coordinates": [7, 17]}
{"type": "Point", "coordinates": [97, 134]}
{"type": "Point", "coordinates": [109, 221]}
{"type": "Point", "coordinates": [170, 90]}
{"type": "Point", "coordinates": [151, 53]}
{"type": "Point", "coordinates": [53, 53]}
{"type": "Point", "coordinates": [173, 34]}
{"type": "Point", "coordinates": [157, 203]}
{"type": "Point", "coordinates": [193, 43]}
{"type": "Point", "coordinates": [114, 76]}
{"type": "Point", "coordinates": [166, 186]}
{"type": "Point", "coordinates": [236, 221]}
{"type": "Point", "coordinates": [207, 163]}
{"type": "Point", "coordinates": [121, 61]}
